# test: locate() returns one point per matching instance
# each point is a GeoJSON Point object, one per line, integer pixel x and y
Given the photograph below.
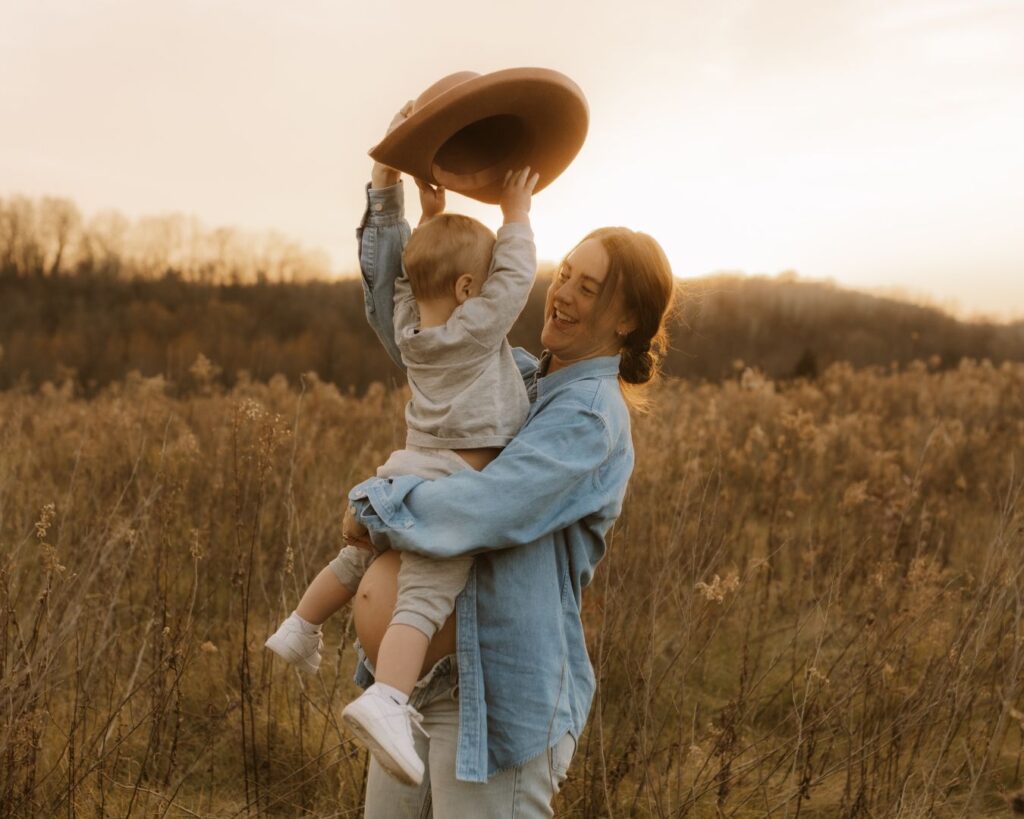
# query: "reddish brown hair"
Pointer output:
{"type": "Point", "coordinates": [638, 269]}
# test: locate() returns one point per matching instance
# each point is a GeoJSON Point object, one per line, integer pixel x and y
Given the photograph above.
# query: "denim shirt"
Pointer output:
{"type": "Point", "coordinates": [536, 519]}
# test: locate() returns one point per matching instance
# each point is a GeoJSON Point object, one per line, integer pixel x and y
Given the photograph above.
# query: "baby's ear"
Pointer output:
{"type": "Point", "coordinates": [463, 287]}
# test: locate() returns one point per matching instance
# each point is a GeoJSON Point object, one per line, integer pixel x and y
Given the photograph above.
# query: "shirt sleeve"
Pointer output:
{"type": "Point", "coordinates": [382, 235]}
{"type": "Point", "coordinates": [407, 314]}
{"type": "Point", "coordinates": [488, 317]}
{"type": "Point", "coordinates": [545, 480]}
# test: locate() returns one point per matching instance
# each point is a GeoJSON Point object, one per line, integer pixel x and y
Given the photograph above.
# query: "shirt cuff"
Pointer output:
{"type": "Point", "coordinates": [520, 230]}
{"type": "Point", "coordinates": [386, 203]}
{"type": "Point", "coordinates": [379, 502]}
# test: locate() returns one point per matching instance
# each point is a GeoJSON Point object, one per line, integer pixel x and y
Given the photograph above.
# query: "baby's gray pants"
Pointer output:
{"type": "Point", "coordinates": [427, 587]}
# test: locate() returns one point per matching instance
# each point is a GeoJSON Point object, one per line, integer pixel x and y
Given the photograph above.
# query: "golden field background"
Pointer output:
{"type": "Point", "coordinates": [811, 605]}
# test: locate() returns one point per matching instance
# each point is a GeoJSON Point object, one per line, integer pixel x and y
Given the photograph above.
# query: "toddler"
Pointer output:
{"type": "Point", "coordinates": [461, 290]}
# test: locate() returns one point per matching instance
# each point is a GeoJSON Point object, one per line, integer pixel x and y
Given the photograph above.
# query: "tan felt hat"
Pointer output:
{"type": "Point", "coordinates": [468, 129]}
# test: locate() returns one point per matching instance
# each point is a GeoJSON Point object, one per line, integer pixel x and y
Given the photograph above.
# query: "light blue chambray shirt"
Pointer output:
{"type": "Point", "coordinates": [536, 519]}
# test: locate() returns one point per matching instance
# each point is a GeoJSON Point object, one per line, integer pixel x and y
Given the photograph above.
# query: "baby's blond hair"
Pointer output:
{"type": "Point", "coordinates": [444, 248]}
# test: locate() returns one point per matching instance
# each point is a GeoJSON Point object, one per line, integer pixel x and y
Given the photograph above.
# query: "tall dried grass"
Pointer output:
{"type": "Point", "coordinates": [811, 606]}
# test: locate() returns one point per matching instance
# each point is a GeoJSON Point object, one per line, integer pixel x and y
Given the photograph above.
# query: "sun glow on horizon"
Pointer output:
{"type": "Point", "coordinates": [873, 144]}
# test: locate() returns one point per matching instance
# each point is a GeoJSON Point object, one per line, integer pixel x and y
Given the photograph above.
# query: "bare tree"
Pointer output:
{"type": "Point", "coordinates": [60, 224]}
{"type": "Point", "coordinates": [19, 231]}
{"type": "Point", "coordinates": [49, 237]}
{"type": "Point", "coordinates": [104, 243]}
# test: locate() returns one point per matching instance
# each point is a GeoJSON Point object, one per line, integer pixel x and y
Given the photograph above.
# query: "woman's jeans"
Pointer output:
{"type": "Point", "coordinates": [525, 791]}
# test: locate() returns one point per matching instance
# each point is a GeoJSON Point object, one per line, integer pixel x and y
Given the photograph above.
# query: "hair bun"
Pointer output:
{"type": "Point", "coordinates": [638, 364]}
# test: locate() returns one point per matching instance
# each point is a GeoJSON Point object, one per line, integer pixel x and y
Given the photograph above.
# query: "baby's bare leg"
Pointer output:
{"type": "Point", "coordinates": [400, 658]}
{"type": "Point", "coordinates": [324, 597]}
{"type": "Point", "coordinates": [427, 590]}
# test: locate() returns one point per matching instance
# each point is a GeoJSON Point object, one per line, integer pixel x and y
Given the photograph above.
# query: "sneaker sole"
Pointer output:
{"type": "Point", "coordinates": [291, 657]}
{"type": "Point", "coordinates": [384, 759]}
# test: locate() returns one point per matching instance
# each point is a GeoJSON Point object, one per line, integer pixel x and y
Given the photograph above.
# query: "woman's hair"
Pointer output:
{"type": "Point", "coordinates": [639, 269]}
{"type": "Point", "coordinates": [442, 249]}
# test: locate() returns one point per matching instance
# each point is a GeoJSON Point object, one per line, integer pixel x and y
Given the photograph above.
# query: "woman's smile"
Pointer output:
{"type": "Point", "coordinates": [562, 320]}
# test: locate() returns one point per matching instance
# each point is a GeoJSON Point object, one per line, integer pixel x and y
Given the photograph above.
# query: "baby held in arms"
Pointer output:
{"type": "Point", "coordinates": [461, 291]}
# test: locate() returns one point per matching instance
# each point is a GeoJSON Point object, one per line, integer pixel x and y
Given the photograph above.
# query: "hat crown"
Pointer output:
{"type": "Point", "coordinates": [467, 130]}
{"type": "Point", "coordinates": [442, 86]}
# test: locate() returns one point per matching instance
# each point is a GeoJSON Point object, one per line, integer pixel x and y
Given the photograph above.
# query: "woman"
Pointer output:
{"type": "Point", "coordinates": [509, 697]}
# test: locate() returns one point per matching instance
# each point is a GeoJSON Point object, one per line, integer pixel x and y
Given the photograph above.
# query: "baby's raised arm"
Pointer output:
{"type": "Point", "coordinates": [517, 194]}
{"type": "Point", "coordinates": [489, 317]}
{"type": "Point", "coordinates": [431, 200]}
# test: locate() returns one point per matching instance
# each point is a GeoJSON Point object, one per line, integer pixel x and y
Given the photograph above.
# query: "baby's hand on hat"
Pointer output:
{"type": "Point", "coordinates": [516, 195]}
{"type": "Point", "coordinates": [431, 200]}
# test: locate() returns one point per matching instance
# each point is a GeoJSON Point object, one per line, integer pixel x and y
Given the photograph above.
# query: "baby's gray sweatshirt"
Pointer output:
{"type": "Point", "coordinates": [467, 391]}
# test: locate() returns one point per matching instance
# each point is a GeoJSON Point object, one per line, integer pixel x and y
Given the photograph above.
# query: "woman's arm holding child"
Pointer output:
{"type": "Point", "coordinates": [548, 477]}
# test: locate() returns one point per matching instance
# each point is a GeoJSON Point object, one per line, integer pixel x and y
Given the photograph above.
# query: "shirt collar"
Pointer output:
{"type": "Point", "coordinates": [598, 366]}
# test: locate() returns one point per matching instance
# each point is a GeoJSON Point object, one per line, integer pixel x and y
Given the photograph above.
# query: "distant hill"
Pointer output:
{"type": "Point", "coordinates": [99, 328]}
{"type": "Point", "coordinates": [784, 326]}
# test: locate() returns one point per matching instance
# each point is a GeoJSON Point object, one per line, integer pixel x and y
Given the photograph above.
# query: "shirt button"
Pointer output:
{"type": "Point", "coordinates": [378, 207]}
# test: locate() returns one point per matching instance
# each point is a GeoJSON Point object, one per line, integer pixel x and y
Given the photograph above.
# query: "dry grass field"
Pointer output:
{"type": "Point", "coordinates": [812, 605]}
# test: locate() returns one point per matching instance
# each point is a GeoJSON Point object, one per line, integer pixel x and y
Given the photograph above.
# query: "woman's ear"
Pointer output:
{"type": "Point", "coordinates": [627, 324]}
{"type": "Point", "coordinates": [463, 287]}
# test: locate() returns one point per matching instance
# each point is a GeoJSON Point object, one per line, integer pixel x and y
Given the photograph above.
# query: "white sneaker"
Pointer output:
{"type": "Point", "coordinates": [296, 646]}
{"type": "Point", "coordinates": [385, 728]}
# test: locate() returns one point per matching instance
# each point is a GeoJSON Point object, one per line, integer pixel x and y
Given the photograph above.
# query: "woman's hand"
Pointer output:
{"type": "Point", "coordinates": [383, 176]}
{"type": "Point", "coordinates": [353, 532]}
{"type": "Point", "coordinates": [516, 195]}
{"type": "Point", "coordinates": [431, 199]}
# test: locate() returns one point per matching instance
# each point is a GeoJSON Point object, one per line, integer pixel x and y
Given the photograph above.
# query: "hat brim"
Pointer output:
{"type": "Point", "coordinates": [469, 136]}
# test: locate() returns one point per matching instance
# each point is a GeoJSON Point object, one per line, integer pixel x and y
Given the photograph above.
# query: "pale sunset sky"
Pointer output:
{"type": "Point", "coordinates": [877, 144]}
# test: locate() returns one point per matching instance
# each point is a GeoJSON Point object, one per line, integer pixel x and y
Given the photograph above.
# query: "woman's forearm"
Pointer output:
{"type": "Point", "coordinates": [550, 476]}
{"type": "Point", "coordinates": [382, 236]}
{"type": "Point", "coordinates": [383, 177]}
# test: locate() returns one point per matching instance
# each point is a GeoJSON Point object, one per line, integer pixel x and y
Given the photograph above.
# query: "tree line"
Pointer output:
{"type": "Point", "coordinates": [50, 236]}
{"type": "Point", "coordinates": [93, 330]}
{"type": "Point", "coordinates": [91, 299]}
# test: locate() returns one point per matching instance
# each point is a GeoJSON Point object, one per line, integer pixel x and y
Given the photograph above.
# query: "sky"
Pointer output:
{"type": "Point", "coordinates": [876, 144]}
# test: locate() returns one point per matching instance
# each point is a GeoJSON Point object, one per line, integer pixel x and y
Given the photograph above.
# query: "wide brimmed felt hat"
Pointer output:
{"type": "Point", "coordinates": [466, 130]}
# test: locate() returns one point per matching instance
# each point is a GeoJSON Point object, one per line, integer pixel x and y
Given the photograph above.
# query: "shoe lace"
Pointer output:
{"type": "Point", "coordinates": [416, 718]}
